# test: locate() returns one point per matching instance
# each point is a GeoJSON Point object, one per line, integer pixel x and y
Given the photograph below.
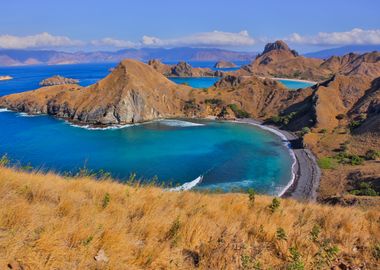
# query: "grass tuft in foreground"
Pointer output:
{"type": "Point", "coordinates": [51, 222]}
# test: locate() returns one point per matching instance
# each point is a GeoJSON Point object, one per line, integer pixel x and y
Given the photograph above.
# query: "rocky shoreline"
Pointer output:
{"type": "Point", "coordinates": [307, 174]}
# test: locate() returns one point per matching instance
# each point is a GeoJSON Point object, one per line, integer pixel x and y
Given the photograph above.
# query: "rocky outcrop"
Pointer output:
{"type": "Point", "coordinates": [58, 80]}
{"type": "Point", "coordinates": [5, 78]}
{"type": "Point", "coordinates": [224, 64]}
{"type": "Point", "coordinates": [278, 60]}
{"type": "Point", "coordinates": [182, 69]}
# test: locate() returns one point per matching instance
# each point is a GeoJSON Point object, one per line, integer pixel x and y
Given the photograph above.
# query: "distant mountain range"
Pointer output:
{"type": "Point", "coordinates": [50, 57]}
{"type": "Point", "coordinates": [343, 50]}
{"type": "Point", "coordinates": [10, 57]}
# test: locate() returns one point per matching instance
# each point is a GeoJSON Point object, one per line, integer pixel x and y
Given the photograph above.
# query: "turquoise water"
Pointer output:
{"type": "Point", "coordinates": [295, 84]}
{"type": "Point", "coordinates": [208, 82]}
{"type": "Point", "coordinates": [197, 82]}
{"type": "Point", "coordinates": [227, 155]}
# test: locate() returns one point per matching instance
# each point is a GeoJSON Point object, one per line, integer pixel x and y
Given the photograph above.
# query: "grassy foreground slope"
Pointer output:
{"type": "Point", "coordinates": [51, 222]}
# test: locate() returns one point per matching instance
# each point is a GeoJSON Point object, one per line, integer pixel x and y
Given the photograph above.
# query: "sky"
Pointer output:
{"type": "Point", "coordinates": [237, 25]}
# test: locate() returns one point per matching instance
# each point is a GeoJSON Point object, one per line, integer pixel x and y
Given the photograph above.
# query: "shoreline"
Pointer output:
{"type": "Point", "coordinates": [306, 173]}
{"type": "Point", "coordinates": [293, 80]}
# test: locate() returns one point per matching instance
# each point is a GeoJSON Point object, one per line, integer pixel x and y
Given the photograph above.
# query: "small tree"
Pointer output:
{"type": "Point", "coordinates": [274, 205]}
{"type": "Point", "coordinates": [372, 154]}
{"type": "Point", "coordinates": [251, 196]}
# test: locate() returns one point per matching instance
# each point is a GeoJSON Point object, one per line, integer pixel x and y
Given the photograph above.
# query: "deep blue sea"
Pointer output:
{"type": "Point", "coordinates": [227, 155]}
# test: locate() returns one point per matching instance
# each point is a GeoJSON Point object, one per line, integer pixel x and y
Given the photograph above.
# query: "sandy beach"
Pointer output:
{"type": "Point", "coordinates": [306, 171]}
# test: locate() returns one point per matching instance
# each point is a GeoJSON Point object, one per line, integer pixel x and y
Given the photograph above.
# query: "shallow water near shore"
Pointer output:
{"type": "Point", "coordinates": [197, 153]}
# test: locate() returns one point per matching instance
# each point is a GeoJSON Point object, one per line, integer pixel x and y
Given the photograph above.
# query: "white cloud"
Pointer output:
{"type": "Point", "coordinates": [111, 42]}
{"type": "Point", "coordinates": [206, 39]}
{"type": "Point", "coordinates": [356, 36]}
{"type": "Point", "coordinates": [42, 40]}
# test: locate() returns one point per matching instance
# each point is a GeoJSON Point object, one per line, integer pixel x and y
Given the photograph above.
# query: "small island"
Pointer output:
{"type": "Point", "coordinates": [224, 64]}
{"type": "Point", "coordinates": [58, 80]}
{"type": "Point", "coordinates": [5, 78]}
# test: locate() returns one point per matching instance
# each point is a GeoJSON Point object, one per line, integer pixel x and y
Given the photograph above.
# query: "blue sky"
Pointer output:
{"type": "Point", "coordinates": [241, 24]}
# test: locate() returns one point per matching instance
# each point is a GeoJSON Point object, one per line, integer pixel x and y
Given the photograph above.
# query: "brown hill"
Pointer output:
{"type": "Point", "coordinates": [278, 60]}
{"type": "Point", "coordinates": [133, 92]}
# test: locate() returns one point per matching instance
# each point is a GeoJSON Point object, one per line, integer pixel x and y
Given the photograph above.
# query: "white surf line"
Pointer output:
{"type": "Point", "coordinates": [4, 110]}
{"type": "Point", "coordinates": [188, 185]}
{"type": "Point", "coordinates": [287, 144]}
{"type": "Point", "coordinates": [293, 80]}
{"type": "Point", "coordinates": [178, 123]}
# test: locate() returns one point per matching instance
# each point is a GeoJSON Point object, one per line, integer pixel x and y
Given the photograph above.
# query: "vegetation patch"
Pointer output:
{"type": "Point", "coordinates": [327, 163]}
{"type": "Point", "coordinates": [238, 112]}
{"type": "Point", "coordinates": [364, 189]}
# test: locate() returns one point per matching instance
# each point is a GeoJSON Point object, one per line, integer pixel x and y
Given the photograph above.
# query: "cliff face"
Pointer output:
{"type": "Point", "coordinates": [133, 92]}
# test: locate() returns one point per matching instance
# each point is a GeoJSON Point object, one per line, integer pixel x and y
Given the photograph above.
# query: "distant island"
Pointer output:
{"type": "Point", "coordinates": [224, 64]}
{"type": "Point", "coordinates": [57, 80]}
{"type": "Point", "coordinates": [5, 78]}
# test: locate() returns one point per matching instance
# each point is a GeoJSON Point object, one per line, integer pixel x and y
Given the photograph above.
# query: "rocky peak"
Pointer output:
{"type": "Point", "coordinates": [278, 45]}
{"type": "Point", "coordinates": [182, 69]}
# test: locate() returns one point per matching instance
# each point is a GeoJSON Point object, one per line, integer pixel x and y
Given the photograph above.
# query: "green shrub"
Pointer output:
{"type": "Point", "coordinates": [173, 233]}
{"type": "Point", "coordinates": [238, 112]}
{"type": "Point", "coordinates": [281, 234]}
{"type": "Point", "coordinates": [106, 200]}
{"type": "Point", "coordinates": [251, 196]}
{"type": "Point", "coordinates": [354, 124]}
{"type": "Point", "coordinates": [4, 160]}
{"type": "Point", "coordinates": [274, 205]}
{"type": "Point", "coordinates": [327, 163]}
{"type": "Point", "coordinates": [315, 231]}
{"type": "Point", "coordinates": [296, 260]}
{"type": "Point", "coordinates": [369, 155]}
{"type": "Point", "coordinates": [323, 131]}
{"type": "Point", "coordinates": [305, 130]}
{"type": "Point", "coordinates": [346, 158]}
{"type": "Point", "coordinates": [376, 251]}
{"type": "Point", "coordinates": [214, 101]}
{"type": "Point", "coordinates": [365, 189]}
{"type": "Point", "coordinates": [283, 120]}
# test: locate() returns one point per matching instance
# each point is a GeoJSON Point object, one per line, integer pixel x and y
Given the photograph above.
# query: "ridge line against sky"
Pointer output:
{"type": "Point", "coordinates": [242, 25]}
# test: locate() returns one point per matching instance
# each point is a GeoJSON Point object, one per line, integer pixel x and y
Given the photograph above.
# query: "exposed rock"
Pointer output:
{"type": "Point", "coordinates": [224, 64]}
{"type": "Point", "coordinates": [58, 80]}
{"type": "Point", "coordinates": [101, 256]}
{"type": "Point", "coordinates": [5, 78]}
{"type": "Point", "coordinates": [182, 69]}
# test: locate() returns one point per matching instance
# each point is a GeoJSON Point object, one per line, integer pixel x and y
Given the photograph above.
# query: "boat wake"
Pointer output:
{"type": "Point", "coordinates": [188, 185]}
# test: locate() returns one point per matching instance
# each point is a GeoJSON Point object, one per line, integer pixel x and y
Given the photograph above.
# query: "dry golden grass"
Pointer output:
{"type": "Point", "coordinates": [49, 222]}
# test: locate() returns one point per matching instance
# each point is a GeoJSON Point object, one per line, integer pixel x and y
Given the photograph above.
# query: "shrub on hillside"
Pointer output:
{"type": "Point", "coordinates": [238, 112]}
{"type": "Point", "coordinates": [372, 154]}
{"type": "Point", "coordinates": [327, 163]}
